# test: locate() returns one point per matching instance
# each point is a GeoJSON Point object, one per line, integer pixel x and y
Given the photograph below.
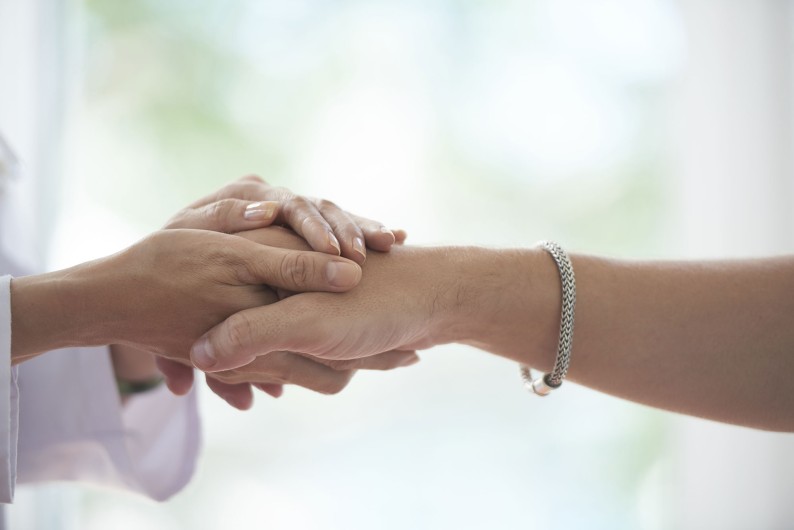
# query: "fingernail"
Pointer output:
{"type": "Point", "coordinates": [203, 354]}
{"type": "Point", "coordinates": [358, 246]}
{"type": "Point", "coordinates": [342, 274]}
{"type": "Point", "coordinates": [334, 243]}
{"type": "Point", "coordinates": [260, 211]}
{"type": "Point", "coordinates": [384, 230]}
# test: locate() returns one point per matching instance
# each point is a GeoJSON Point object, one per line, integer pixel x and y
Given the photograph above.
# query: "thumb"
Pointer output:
{"type": "Point", "coordinates": [296, 270]}
{"type": "Point", "coordinates": [283, 326]}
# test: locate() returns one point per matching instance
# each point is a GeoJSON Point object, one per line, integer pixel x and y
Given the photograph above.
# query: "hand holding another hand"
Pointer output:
{"type": "Point", "coordinates": [163, 293]}
{"type": "Point", "coordinates": [250, 203]}
{"type": "Point", "coordinates": [400, 304]}
{"type": "Point", "coordinates": [166, 290]}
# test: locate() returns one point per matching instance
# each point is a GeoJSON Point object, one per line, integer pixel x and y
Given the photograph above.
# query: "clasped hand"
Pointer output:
{"type": "Point", "coordinates": [215, 259]}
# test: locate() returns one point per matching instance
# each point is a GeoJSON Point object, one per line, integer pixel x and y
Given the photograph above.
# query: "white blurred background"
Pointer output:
{"type": "Point", "coordinates": [637, 128]}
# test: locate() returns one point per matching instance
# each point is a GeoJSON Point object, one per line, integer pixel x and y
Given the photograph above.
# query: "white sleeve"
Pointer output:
{"type": "Point", "coordinates": [64, 409]}
{"type": "Point", "coordinates": [8, 398]}
{"type": "Point", "coordinates": [72, 426]}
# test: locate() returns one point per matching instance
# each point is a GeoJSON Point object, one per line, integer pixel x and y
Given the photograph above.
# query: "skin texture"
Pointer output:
{"type": "Point", "coordinates": [224, 211]}
{"type": "Point", "coordinates": [177, 283]}
{"type": "Point", "coordinates": [173, 285]}
{"type": "Point", "coordinates": [321, 223]}
{"type": "Point", "coordinates": [270, 373]}
{"type": "Point", "coordinates": [710, 339]}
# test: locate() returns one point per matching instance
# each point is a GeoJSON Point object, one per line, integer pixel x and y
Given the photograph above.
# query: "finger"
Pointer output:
{"type": "Point", "coordinates": [237, 395]}
{"type": "Point", "coordinates": [304, 217]}
{"type": "Point", "coordinates": [306, 372]}
{"type": "Point", "coordinates": [178, 377]}
{"type": "Point", "coordinates": [400, 236]}
{"type": "Point", "coordinates": [241, 338]}
{"type": "Point", "coordinates": [276, 236]}
{"type": "Point", "coordinates": [294, 270]}
{"type": "Point", "coordinates": [281, 368]}
{"type": "Point", "coordinates": [376, 236]}
{"type": "Point", "coordinates": [382, 361]}
{"type": "Point", "coordinates": [230, 216]}
{"type": "Point", "coordinates": [253, 178]}
{"type": "Point", "coordinates": [269, 388]}
{"type": "Point", "coordinates": [347, 232]}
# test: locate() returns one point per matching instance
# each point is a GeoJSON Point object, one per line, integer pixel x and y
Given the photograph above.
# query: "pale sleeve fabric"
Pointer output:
{"type": "Point", "coordinates": [64, 409]}
{"type": "Point", "coordinates": [72, 426]}
{"type": "Point", "coordinates": [8, 399]}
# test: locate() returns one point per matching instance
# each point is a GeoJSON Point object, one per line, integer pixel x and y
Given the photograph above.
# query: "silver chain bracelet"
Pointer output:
{"type": "Point", "coordinates": [544, 384]}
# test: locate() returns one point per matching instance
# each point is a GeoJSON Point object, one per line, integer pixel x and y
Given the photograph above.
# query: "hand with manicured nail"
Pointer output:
{"type": "Point", "coordinates": [394, 308]}
{"type": "Point", "coordinates": [160, 295]}
{"type": "Point", "coordinates": [164, 292]}
{"type": "Point", "coordinates": [271, 372]}
{"type": "Point", "coordinates": [249, 203]}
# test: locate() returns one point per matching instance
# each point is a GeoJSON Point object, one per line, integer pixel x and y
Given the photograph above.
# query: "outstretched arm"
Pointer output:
{"type": "Point", "coordinates": [161, 293]}
{"type": "Point", "coordinates": [711, 339]}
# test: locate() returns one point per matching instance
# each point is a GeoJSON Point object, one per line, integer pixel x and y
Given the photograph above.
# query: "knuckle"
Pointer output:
{"type": "Point", "coordinates": [238, 333]}
{"type": "Point", "coordinates": [236, 190]}
{"type": "Point", "coordinates": [325, 204]}
{"type": "Point", "coordinates": [295, 204]}
{"type": "Point", "coordinates": [219, 213]}
{"type": "Point", "coordinates": [298, 269]}
{"type": "Point", "coordinates": [248, 189]}
{"type": "Point", "coordinates": [251, 191]}
{"type": "Point", "coordinates": [253, 178]}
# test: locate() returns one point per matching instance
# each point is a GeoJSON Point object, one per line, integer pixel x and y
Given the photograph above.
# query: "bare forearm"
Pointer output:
{"type": "Point", "coordinates": [47, 313]}
{"type": "Point", "coordinates": [709, 339]}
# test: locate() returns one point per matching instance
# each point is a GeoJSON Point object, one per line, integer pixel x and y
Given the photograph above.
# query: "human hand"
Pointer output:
{"type": "Point", "coordinates": [176, 284]}
{"type": "Point", "coordinates": [270, 373]}
{"type": "Point", "coordinates": [400, 304]}
{"type": "Point", "coordinates": [250, 203]}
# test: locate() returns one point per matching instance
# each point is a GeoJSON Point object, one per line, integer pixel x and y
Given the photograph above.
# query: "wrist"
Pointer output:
{"type": "Point", "coordinates": [43, 316]}
{"type": "Point", "coordinates": [506, 302]}
{"type": "Point", "coordinates": [60, 309]}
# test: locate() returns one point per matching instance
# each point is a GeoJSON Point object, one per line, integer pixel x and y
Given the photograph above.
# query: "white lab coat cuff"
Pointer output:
{"type": "Point", "coordinates": [78, 430]}
{"type": "Point", "coordinates": [9, 399]}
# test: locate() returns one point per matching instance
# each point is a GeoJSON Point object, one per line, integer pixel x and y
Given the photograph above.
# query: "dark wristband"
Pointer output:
{"type": "Point", "coordinates": [128, 388]}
